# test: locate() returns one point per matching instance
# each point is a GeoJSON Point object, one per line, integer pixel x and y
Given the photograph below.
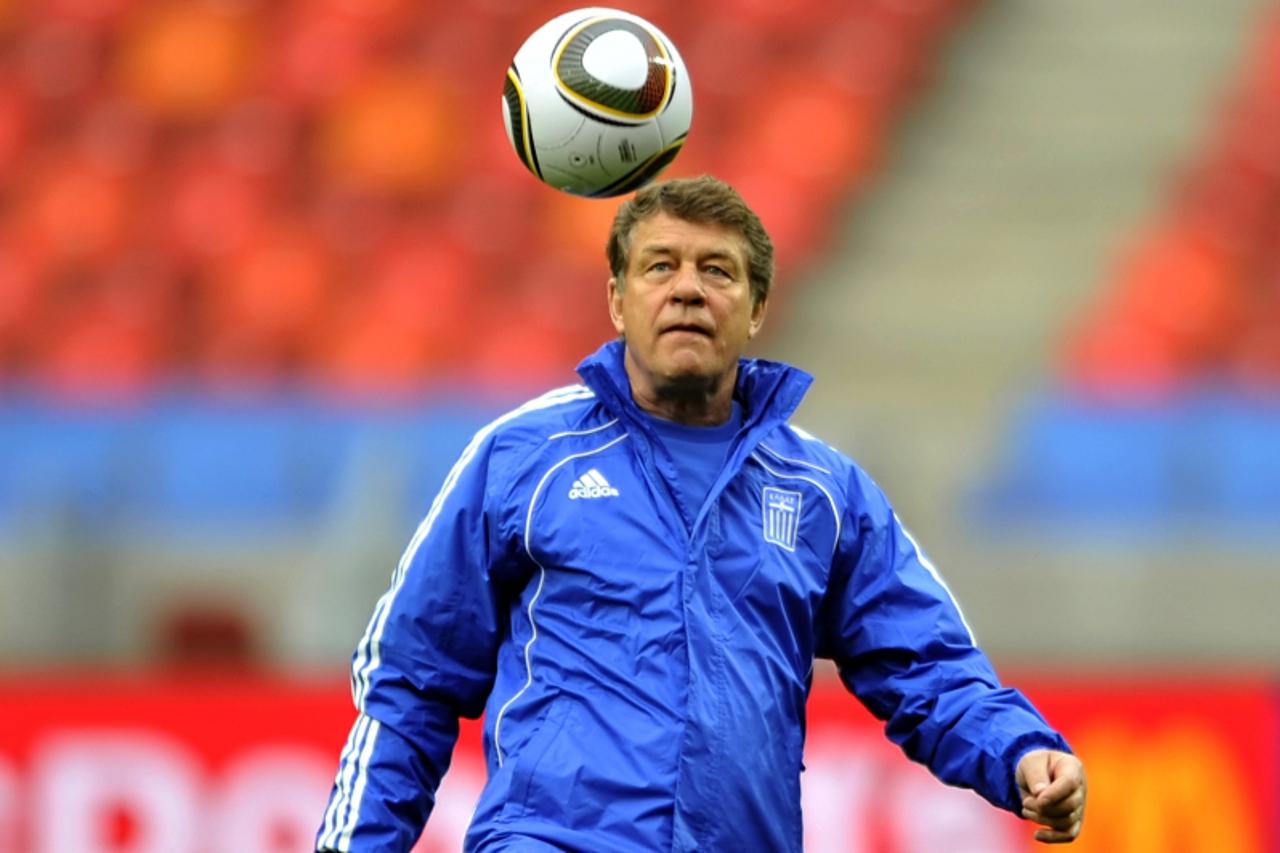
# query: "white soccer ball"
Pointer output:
{"type": "Point", "coordinates": [597, 102]}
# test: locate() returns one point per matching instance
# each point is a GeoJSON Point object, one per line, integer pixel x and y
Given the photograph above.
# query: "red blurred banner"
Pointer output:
{"type": "Point", "coordinates": [160, 763]}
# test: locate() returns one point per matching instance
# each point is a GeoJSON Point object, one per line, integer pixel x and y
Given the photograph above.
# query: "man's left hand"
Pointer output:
{"type": "Point", "coordinates": [1052, 785]}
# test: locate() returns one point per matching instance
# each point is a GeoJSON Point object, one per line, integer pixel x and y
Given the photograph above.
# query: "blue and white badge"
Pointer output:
{"type": "Point", "coordinates": [781, 516]}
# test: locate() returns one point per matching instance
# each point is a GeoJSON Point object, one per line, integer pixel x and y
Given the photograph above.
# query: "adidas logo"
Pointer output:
{"type": "Point", "coordinates": [592, 485]}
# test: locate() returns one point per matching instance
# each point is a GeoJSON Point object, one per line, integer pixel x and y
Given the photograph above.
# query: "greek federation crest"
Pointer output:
{"type": "Point", "coordinates": [781, 516]}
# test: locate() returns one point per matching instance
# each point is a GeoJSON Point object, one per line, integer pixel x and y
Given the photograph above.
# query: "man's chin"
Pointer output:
{"type": "Point", "coordinates": [686, 364]}
{"type": "Point", "coordinates": [693, 358]}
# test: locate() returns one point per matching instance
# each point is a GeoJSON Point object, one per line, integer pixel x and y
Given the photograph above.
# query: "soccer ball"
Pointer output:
{"type": "Point", "coordinates": [597, 102]}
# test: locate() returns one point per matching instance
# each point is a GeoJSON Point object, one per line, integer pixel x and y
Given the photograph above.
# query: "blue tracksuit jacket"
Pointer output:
{"type": "Point", "coordinates": [643, 664]}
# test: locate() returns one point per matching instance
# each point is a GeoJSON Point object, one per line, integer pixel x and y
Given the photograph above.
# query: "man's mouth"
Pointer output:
{"type": "Point", "coordinates": [692, 328]}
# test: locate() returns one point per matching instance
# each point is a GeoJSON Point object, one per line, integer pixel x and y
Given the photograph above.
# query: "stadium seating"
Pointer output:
{"type": "Point", "coordinates": [1196, 298]}
{"type": "Point", "coordinates": [320, 193]}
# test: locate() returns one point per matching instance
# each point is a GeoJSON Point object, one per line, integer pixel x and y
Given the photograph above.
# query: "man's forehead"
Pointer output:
{"type": "Point", "coordinates": [664, 233]}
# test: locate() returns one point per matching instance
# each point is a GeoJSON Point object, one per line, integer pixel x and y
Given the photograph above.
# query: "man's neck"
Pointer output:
{"type": "Point", "coordinates": [696, 403]}
{"type": "Point", "coordinates": [682, 410]}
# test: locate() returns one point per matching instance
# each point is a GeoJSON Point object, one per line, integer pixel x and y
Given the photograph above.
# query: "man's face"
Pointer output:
{"type": "Point", "coordinates": [685, 308]}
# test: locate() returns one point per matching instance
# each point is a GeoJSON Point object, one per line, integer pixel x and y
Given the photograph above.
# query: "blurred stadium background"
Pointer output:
{"type": "Point", "coordinates": [264, 267]}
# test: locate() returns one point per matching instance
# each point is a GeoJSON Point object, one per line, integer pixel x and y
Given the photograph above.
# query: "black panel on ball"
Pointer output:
{"type": "Point", "coordinates": [521, 127]}
{"type": "Point", "coordinates": [650, 99]}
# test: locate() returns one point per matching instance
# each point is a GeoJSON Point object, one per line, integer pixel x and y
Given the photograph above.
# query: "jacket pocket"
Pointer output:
{"type": "Point", "coordinates": [525, 763]}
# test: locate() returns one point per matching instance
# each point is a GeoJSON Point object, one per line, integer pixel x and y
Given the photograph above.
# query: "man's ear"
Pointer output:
{"type": "Point", "coordinates": [758, 311]}
{"type": "Point", "coordinates": [615, 305]}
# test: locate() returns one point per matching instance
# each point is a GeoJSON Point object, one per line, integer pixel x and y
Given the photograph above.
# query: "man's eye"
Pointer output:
{"type": "Point", "coordinates": [718, 271]}
{"type": "Point", "coordinates": [660, 266]}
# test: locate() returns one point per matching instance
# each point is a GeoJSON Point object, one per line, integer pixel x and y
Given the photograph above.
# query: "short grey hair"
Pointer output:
{"type": "Point", "coordinates": [703, 199]}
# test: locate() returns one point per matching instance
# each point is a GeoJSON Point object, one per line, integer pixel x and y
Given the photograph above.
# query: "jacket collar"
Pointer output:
{"type": "Point", "coordinates": [767, 390]}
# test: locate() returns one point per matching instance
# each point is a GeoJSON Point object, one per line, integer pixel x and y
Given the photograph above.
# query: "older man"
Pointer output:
{"type": "Point", "coordinates": [631, 578]}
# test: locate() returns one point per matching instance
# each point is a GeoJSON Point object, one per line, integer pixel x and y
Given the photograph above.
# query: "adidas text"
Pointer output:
{"type": "Point", "coordinates": [592, 485]}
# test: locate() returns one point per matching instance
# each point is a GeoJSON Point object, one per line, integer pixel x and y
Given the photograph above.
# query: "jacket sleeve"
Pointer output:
{"type": "Point", "coordinates": [427, 658]}
{"type": "Point", "coordinates": [903, 648]}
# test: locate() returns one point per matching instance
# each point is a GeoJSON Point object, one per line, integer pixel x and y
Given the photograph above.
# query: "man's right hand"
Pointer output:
{"type": "Point", "coordinates": [1053, 791]}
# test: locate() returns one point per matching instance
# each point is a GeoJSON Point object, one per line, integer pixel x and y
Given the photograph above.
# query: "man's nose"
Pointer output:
{"type": "Point", "coordinates": [687, 287]}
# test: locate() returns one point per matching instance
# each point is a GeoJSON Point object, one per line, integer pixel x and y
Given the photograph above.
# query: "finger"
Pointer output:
{"type": "Point", "coordinates": [1061, 806]}
{"type": "Point", "coordinates": [1055, 822]}
{"type": "Point", "coordinates": [1059, 789]}
{"type": "Point", "coordinates": [1057, 809]}
{"type": "Point", "coordinates": [1034, 773]}
{"type": "Point", "coordinates": [1053, 836]}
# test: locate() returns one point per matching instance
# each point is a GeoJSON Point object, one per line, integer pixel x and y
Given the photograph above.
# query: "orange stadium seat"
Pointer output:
{"type": "Point", "coordinates": [393, 131]}
{"type": "Point", "coordinates": [207, 210]}
{"type": "Point", "coordinates": [188, 60]}
{"type": "Point", "coordinates": [314, 52]}
{"type": "Point", "coordinates": [409, 318]}
{"type": "Point", "coordinates": [260, 309]}
{"type": "Point", "coordinates": [107, 334]}
{"type": "Point", "coordinates": [15, 125]}
{"type": "Point", "coordinates": [22, 282]}
{"type": "Point", "coordinates": [101, 13]}
{"type": "Point", "coordinates": [73, 210]}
